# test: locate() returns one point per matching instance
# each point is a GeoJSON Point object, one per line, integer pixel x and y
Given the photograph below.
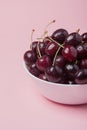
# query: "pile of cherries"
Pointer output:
{"type": "Point", "coordinates": [59, 58]}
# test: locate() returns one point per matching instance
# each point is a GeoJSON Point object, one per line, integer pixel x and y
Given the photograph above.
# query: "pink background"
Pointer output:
{"type": "Point", "coordinates": [21, 105]}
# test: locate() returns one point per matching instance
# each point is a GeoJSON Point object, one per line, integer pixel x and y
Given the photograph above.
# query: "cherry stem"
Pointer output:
{"type": "Point", "coordinates": [53, 21]}
{"type": "Point", "coordinates": [33, 30]}
{"type": "Point", "coordinates": [39, 38]}
{"type": "Point", "coordinates": [45, 30]}
{"type": "Point", "coordinates": [76, 61]}
{"type": "Point", "coordinates": [43, 38]}
{"type": "Point", "coordinates": [39, 53]}
{"type": "Point", "coordinates": [55, 42]}
{"type": "Point", "coordinates": [77, 31]}
{"type": "Point", "coordinates": [56, 55]}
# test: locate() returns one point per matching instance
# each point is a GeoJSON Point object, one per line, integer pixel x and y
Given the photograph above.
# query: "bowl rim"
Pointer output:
{"type": "Point", "coordinates": [51, 83]}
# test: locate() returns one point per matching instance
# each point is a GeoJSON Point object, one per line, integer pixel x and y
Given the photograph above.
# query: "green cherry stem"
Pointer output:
{"type": "Point", "coordinates": [33, 30]}
{"type": "Point", "coordinates": [45, 30]}
{"type": "Point", "coordinates": [38, 49]}
{"type": "Point", "coordinates": [55, 42]}
{"type": "Point", "coordinates": [42, 37]}
{"type": "Point", "coordinates": [56, 55]}
{"type": "Point", "coordinates": [77, 31]}
{"type": "Point", "coordinates": [53, 21]}
{"type": "Point", "coordinates": [76, 61]}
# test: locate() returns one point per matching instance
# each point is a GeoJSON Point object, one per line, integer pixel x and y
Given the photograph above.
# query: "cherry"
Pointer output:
{"type": "Point", "coordinates": [59, 70]}
{"type": "Point", "coordinates": [43, 77]}
{"type": "Point", "coordinates": [60, 61]}
{"type": "Point", "coordinates": [59, 58]}
{"type": "Point", "coordinates": [29, 57]}
{"type": "Point", "coordinates": [81, 76]}
{"type": "Point", "coordinates": [43, 62]}
{"type": "Point", "coordinates": [73, 39]}
{"type": "Point", "coordinates": [71, 69]}
{"type": "Point", "coordinates": [33, 69]}
{"type": "Point", "coordinates": [83, 63]}
{"type": "Point", "coordinates": [80, 51]}
{"type": "Point", "coordinates": [34, 46]}
{"type": "Point", "coordinates": [53, 74]}
{"type": "Point", "coordinates": [84, 37]}
{"type": "Point", "coordinates": [51, 48]}
{"type": "Point", "coordinates": [69, 53]}
{"type": "Point", "coordinates": [42, 47]}
{"type": "Point", "coordinates": [60, 35]}
{"type": "Point", "coordinates": [85, 48]}
{"type": "Point", "coordinates": [46, 40]}
{"type": "Point", "coordinates": [64, 79]}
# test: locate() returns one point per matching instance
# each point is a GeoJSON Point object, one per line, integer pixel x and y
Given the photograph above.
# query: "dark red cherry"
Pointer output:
{"type": "Point", "coordinates": [59, 70]}
{"type": "Point", "coordinates": [71, 70]}
{"type": "Point", "coordinates": [33, 69]}
{"type": "Point", "coordinates": [83, 63]}
{"type": "Point", "coordinates": [81, 76]}
{"type": "Point", "coordinates": [84, 37]}
{"type": "Point", "coordinates": [43, 62]}
{"type": "Point", "coordinates": [85, 49]}
{"type": "Point", "coordinates": [46, 40]}
{"type": "Point", "coordinates": [34, 46]}
{"type": "Point", "coordinates": [42, 47]}
{"type": "Point", "coordinates": [64, 79]}
{"type": "Point", "coordinates": [73, 39]}
{"type": "Point", "coordinates": [43, 77]}
{"type": "Point", "coordinates": [60, 61]}
{"type": "Point", "coordinates": [53, 74]}
{"type": "Point", "coordinates": [29, 57]}
{"type": "Point", "coordinates": [69, 53]}
{"type": "Point", "coordinates": [60, 35]}
{"type": "Point", "coordinates": [80, 51]}
{"type": "Point", "coordinates": [51, 48]}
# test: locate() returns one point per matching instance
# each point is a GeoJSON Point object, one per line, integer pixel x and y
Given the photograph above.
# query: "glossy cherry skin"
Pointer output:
{"type": "Point", "coordinates": [81, 76]}
{"type": "Point", "coordinates": [80, 51]}
{"type": "Point", "coordinates": [85, 49]}
{"type": "Point", "coordinates": [43, 77]}
{"type": "Point", "coordinates": [51, 48]}
{"type": "Point", "coordinates": [43, 62]}
{"type": "Point", "coordinates": [34, 46]}
{"type": "Point", "coordinates": [71, 70]}
{"type": "Point", "coordinates": [33, 69]}
{"type": "Point", "coordinates": [29, 57]}
{"type": "Point", "coordinates": [83, 63]}
{"type": "Point", "coordinates": [69, 53]}
{"type": "Point", "coordinates": [60, 35]}
{"type": "Point", "coordinates": [42, 46]}
{"type": "Point", "coordinates": [60, 61]}
{"type": "Point", "coordinates": [84, 37]}
{"type": "Point", "coordinates": [53, 74]}
{"type": "Point", "coordinates": [46, 40]}
{"type": "Point", "coordinates": [73, 39]}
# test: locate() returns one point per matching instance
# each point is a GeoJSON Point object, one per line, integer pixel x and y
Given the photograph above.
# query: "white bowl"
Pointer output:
{"type": "Point", "coordinates": [61, 93]}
